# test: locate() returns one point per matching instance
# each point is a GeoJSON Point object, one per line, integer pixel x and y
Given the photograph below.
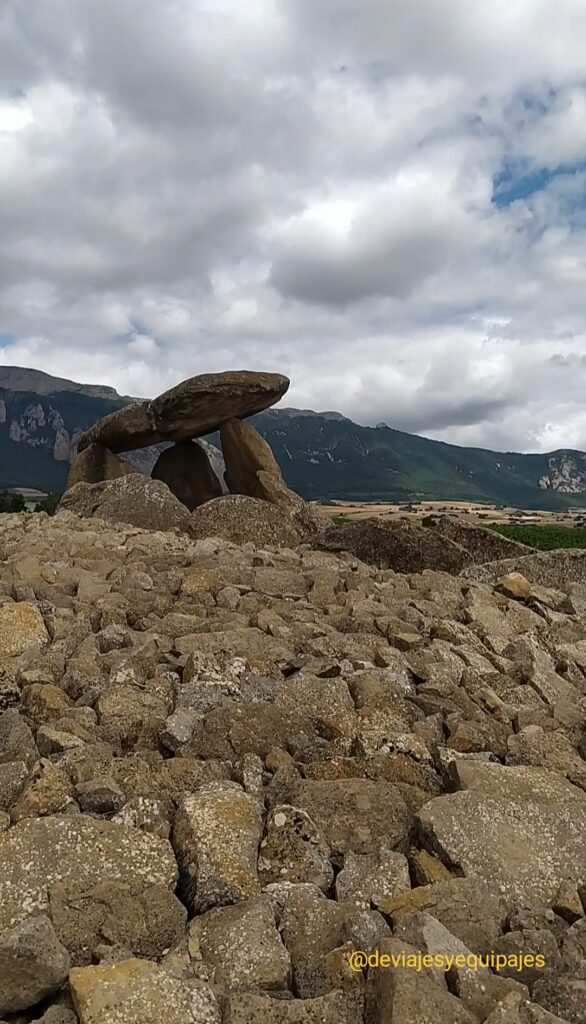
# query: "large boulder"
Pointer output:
{"type": "Point", "coordinates": [33, 964]}
{"type": "Point", "coordinates": [245, 454]}
{"type": "Point", "coordinates": [39, 853]}
{"type": "Point", "coordinates": [484, 545]}
{"type": "Point", "coordinates": [194, 408]}
{"type": "Point", "coordinates": [186, 470]}
{"type": "Point", "coordinates": [520, 829]}
{"type": "Point", "coordinates": [546, 568]}
{"type": "Point", "coordinates": [241, 520]}
{"type": "Point", "coordinates": [136, 500]}
{"type": "Point", "coordinates": [402, 548]}
{"type": "Point", "coordinates": [96, 464]}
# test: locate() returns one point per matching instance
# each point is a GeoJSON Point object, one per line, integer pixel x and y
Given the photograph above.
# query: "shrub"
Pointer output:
{"type": "Point", "coordinates": [11, 501]}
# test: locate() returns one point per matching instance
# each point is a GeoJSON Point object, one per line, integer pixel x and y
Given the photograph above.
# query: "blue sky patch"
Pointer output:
{"type": "Point", "coordinates": [6, 340]}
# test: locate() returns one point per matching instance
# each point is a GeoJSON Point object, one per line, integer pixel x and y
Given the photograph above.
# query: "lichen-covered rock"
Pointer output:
{"type": "Point", "coordinates": [294, 850]}
{"type": "Point", "coordinates": [135, 991]}
{"type": "Point", "coordinates": [134, 499]}
{"type": "Point", "coordinates": [194, 408]}
{"type": "Point", "coordinates": [39, 852]}
{"type": "Point", "coordinates": [21, 627]}
{"type": "Point", "coordinates": [147, 920]}
{"type": "Point", "coordinates": [354, 813]}
{"type": "Point", "coordinates": [242, 520]}
{"type": "Point", "coordinates": [33, 964]}
{"type": "Point", "coordinates": [216, 837]}
{"type": "Point", "coordinates": [522, 830]}
{"type": "Point", "coordinates": [241, 946]}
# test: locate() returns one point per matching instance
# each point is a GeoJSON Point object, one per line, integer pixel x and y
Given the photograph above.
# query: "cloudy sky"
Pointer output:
{"type": "Point", "coordinates": [385, 200]}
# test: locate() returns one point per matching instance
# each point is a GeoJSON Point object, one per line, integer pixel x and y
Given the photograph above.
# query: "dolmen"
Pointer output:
{"type": "Point", "coordinates": [103, 484]}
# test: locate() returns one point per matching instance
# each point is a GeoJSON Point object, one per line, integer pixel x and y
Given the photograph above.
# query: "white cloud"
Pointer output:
{"type": "Point", "coordinates": [193, 185]}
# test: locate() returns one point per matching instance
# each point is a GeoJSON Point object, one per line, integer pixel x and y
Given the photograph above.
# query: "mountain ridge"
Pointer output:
{"type": "Point", "coordinates": [322, 455]}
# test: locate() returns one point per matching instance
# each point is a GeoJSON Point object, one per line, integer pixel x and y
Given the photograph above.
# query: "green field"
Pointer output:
{"type": "Point", "coordinates": [545, 538]}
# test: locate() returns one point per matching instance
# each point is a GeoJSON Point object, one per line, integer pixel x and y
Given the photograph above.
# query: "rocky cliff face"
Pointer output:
{"type": "Point", "coordinates": [567, 473]}
{"type": "Point", "coordinates": [41, 427]}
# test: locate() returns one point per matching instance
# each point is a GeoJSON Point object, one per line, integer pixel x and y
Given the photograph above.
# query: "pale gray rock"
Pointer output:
{"type": "Point", "coordinates": [33, 964]}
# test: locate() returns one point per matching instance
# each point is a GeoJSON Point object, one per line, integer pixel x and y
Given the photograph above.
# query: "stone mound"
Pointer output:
{"type": "Point", "coordinates": [226, 770]}
{"type": "Point", "coordinates": [244, 520]}
{"type": "Point", "coordinates": [133, 499]}
{"type": "Point", "coordinates": [402, 548]}
{"type": "Point", "coordinates": [547, 568]}
{"type": "Point", "coordinates": [483, 544]}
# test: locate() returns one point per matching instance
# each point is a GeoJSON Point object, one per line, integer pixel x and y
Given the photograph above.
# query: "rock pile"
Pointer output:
{"type": "Point", "coordinates": [183, 480]}
{"type": "Point", "coordinates": [225, 768]}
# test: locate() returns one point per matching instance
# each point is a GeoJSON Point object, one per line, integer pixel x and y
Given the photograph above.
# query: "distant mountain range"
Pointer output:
{"type": "Point", "coordinates": [322, 455]}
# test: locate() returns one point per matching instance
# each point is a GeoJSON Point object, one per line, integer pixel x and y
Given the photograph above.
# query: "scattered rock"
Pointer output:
{"type": "Point", "coordinates": [21, 627]}
{"type": "Point", "coordinates": [38, 853]}
{"type": "Point", "coordinates": [216, 837]}
{"type": "Point", "coordinates": [135, 991]}
{"type": "Point", "coordinates": [134, 499]}
{"type": "Point", "coordinates": [244, 520]}
{"type": "Point", "coordinates": [242, 946]}
{"type": "Point", "coordinates": [33, 964]}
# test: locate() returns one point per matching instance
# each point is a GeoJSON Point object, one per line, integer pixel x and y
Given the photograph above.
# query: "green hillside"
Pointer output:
{"type": "Point", "coordinates": [322, 456]}
{"type": "Point", "coordinates": [330, 458]}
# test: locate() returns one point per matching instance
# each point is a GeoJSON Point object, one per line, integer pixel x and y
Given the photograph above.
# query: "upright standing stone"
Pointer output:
{"type": "Point", "coordinates": [186, 470]}
{"type": "Point", "coordinates": [245, 454]}
{"type": "Point", "coordinates": [96, 464]}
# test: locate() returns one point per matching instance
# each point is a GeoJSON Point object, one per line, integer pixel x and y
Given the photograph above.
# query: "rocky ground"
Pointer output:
{"type": "Point", "coordinates": [224, 768]}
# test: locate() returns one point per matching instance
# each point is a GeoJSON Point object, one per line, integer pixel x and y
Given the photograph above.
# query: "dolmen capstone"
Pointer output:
{"type": "Point", "coordinates": [182, 481]}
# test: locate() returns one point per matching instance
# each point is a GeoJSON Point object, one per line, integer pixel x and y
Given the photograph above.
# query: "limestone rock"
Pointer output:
{"type": "Point", "coordinates": [368, 879]}
{"type": "Point", "coordinates": [21, 627]}
{"type": "Point", "coordinates": [404, 996]}
{"type": "Point", "coordinates": [186, 470]}
{"type": "Point", "coordinates": [216, 837]}
{"type": "Point", "coordinates": [354, 813]}
{"type": "Point", "coordinates": [135, 991]}
{"type": "Point", "coordinates": [147, 920]}
{"type": "Point", "coordinates": [133, 499]}
{"type": "Point", "coordinates": [242, 946]}
{"type": "Point", "coordinates": [514, 1009]}
{"type": "Point", "coordinates": [37, 853]}
{"type": "Point", "coordinates": [522, 830]}
{"type": "Point", "coordinates": [260, 1009]}
{"type": "Point", "coordinates": [241, 519]}
{"type": "Point", "coordinates": [245, 454]}
{"type": "Point", "coordinates": [194, 408]}
{"type": "Point", "coordinates": [96, 464]}
{"type": "Point", "coordinates": [294, 850]}
{"type": "Point", "coordinates": [33, 964]}
{"type": "Point", "coordinates": [401, 548]}
{"type": "Point", "coordinates": [515, 585]}
{"type": "Point", "coordinates": [465, 906]}
{"type": "Point", "coordinates": [13, 777]}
